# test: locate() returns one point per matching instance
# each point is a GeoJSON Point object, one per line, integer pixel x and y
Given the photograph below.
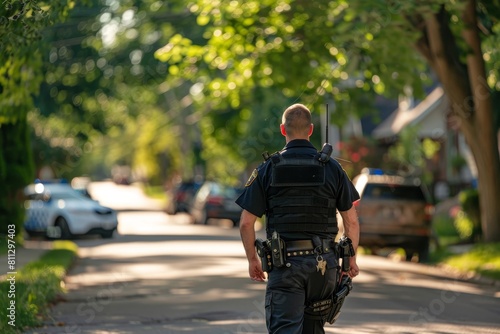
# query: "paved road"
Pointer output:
{"type": "Point", "coordinates": [162, 275]}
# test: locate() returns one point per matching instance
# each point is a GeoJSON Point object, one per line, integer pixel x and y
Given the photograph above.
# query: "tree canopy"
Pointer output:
{"type": "Point", "coordinates": [165, 86]}
{"type": "Point", "coordinates": [20, 76]}
{"type": "Point", "coordinates": [346, 51]}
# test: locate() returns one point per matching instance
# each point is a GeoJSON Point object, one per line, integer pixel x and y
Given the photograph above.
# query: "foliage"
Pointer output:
{"type": "Point", "coordinates": [468, 220]}
{"type": "Point", "coordinates": [16, 170]}
{"type": "Point", "coordinates": [469, 200]}
{"type": "Point", "coordinates": [20, 26]}
{"type": "Point", "coordinates": [358, 153]}
{"type": "Point", "coordinates": [457, 162]}
{"type": "Point", "coordinates": [410, 154]}
{"type": "Point", "coordinates": [37, 284]}
{"type": "Point", "coordinates": [246, 43]}
{"type": "Point", "coordinates": [341, 51]}
{"type": "Point", "coordinates": [20, 77]}
{"type": "Point", "coordinates": [464, 225]}
{"type": "Point", "coordinates": [214, 76]}
{"type": "Point", "coordinates": [408, 151]}
{"type": "Point", "coordinates": [461, 222]}
{"type": "Point", "coordinates": [103, 88]}
{"type": "Point", "coordinates": [483, 259]}
{"type": "Point", "coordinates": [445, 231]}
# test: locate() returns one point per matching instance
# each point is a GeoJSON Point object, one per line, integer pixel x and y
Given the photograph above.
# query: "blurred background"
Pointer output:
{"type": "Point", "coordinates": [170, 95]}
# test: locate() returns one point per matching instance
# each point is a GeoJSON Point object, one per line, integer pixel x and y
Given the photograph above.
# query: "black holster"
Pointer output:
{"type": "Point", "coordinates": [342, 290]}
{"type": "Point", "coordinates": [264, 252]}
{"type": "Point", "coordinates": [329, 309]}
{"type": "Point", "coordinates": [277, 250]}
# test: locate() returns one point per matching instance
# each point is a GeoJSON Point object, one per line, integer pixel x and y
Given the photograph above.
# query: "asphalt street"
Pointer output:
{"type": "Point", "coordinates": [161, 274]}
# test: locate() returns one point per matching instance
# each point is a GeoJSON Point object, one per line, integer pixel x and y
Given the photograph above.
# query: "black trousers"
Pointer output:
{"type": "Point", "coordinates": [291, 289]}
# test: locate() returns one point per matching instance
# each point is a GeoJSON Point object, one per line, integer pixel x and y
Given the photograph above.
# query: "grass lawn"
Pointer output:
{"type": "Point", "coordinates": [483, 259]}
{"type": "Point", "coordinates": [26, 295]}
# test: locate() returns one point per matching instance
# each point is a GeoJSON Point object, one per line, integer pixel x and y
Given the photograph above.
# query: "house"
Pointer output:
{"type": "Point", "coordinates": [429, 116]}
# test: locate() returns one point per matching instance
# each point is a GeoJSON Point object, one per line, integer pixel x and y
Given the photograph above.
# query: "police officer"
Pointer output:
{"type": "Point", "coordinates": [299, 194]}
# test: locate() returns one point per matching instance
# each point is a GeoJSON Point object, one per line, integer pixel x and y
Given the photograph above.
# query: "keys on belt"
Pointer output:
{"type": "Point", "coordinates": [311, 247]}
{"type": "Point", "coordinates": [275, 251]}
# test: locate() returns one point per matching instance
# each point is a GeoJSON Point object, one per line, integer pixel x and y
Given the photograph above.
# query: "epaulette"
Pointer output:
{"type": "Point", "coordinates": [275, 157]}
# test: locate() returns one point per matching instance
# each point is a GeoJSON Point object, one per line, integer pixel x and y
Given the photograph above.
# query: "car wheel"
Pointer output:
{"type": "Point", "coordinates": [107, 234]}
{"type": "Point", "coordinates": [28, 234]}
{"type": "Point", "coordinates": [63, 225]}
{"type": "Point", "coordinates": [423, 255]}
{"type": "Point", "coordinates": [423, 252]}
{"type": "Point", "coordinates": [409, 254]}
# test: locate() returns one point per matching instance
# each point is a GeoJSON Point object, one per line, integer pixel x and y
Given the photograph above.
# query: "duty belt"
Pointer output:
{"type": "Point", "coordinates": [306, 247]}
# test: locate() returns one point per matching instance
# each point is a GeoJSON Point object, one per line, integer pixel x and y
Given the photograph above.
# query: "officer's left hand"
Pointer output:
{"type": "Point", "coordinates": [255, 271]}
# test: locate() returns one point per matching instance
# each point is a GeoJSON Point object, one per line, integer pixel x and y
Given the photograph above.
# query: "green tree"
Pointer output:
{"type": "Point", "coordinates": [347, 50]}
{"type": "Point", "coordinates": [20, 78]}
{"type": "Point", "coordinates": [410, 154]}
{"type": "Point", "coordinates": [106, 100]}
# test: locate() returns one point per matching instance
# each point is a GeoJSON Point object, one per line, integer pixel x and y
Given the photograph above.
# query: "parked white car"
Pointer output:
{"type": "Point", "coordinates": [59, 211]}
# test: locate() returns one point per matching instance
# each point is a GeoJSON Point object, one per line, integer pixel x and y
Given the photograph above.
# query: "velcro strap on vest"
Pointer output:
{"type": "Point", "coordinates": [315, 201]}
{"type": "Point", "coordinates": [300, 209]}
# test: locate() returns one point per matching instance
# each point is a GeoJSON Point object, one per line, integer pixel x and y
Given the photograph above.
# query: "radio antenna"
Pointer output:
{"type": "Point", "coordinates": [327, 149]}
{"type": "Point", "coordinates": [326, 132]}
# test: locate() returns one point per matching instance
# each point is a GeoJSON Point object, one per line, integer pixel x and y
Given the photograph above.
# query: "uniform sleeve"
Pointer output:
{"type": "Point", "coordinates": [253, 198]}
{"type": "Point", "coordinates": [346, 192]}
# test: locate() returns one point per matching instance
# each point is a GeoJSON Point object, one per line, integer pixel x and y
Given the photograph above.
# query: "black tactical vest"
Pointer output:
{"type": "Point", "coordinates": [300, 200]}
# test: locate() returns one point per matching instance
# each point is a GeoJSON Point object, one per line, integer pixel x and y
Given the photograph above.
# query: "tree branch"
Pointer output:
{"type": "Point", "coordinates": [476, 67]}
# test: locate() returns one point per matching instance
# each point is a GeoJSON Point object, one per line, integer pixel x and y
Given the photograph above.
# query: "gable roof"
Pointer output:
{"type": "Point", "coordinates": [429, 115]}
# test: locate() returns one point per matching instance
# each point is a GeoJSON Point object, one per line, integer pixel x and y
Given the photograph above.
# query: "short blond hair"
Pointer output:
{"type": "Point", "coordinates": [297, 120]}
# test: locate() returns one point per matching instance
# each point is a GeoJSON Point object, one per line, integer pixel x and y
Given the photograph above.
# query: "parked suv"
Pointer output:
{"type": "Point", "coordinates": [393, 211]}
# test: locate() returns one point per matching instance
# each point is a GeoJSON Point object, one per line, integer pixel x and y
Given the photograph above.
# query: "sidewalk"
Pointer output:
{"type": "Point", "coordinates": [31, 251]}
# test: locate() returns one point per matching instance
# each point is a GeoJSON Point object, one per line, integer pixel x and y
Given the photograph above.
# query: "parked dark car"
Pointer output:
{"type": "Point", "coordinates": [394, 211]}
{"type": "Point", "coordinates": [216, 201]}
{"type": "Point", "coordinates": [182, 197]}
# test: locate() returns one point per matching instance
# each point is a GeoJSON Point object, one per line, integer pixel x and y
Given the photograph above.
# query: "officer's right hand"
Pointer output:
{"type": "Point", "coordinates": [255, 271]}
{"type": "Point", "coordinates": [354, 269]}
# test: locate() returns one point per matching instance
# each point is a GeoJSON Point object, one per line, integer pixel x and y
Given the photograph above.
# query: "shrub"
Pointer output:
{"type": "Point", "coordinates": [470, 221]}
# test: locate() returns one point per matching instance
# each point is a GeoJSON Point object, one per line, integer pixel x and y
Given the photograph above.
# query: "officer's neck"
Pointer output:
{"type": "Point", "coordinates": [289, 139]}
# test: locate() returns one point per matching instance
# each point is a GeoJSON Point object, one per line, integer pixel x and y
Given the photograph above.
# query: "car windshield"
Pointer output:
{"type": "Point", "coordinates": [68, 194]}
{"type": "Point", "coordinates": [393, 192]}
{"type": "Point", "coordinates": [49, 192]}
{"type": "Point", "coordinates": [227, 192]}
{"type": "Point", "coordinates": [188, 187]}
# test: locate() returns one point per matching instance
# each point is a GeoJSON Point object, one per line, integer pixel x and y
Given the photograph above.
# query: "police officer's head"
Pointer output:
{"type": "Point", "coordinates": [296, 122]}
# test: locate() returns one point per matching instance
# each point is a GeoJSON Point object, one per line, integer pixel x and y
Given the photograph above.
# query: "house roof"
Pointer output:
{"type": "Point", "coordinates": [429, 115]}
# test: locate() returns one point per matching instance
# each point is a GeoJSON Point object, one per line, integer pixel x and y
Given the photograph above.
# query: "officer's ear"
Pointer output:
{"type": "Point", "coordinates": [311, 129]}
{"type": "Point", "coordinates": [283, 130]}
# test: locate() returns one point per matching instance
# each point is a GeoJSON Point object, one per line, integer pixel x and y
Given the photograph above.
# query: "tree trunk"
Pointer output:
{"type": "Point", "coordinates": [471, 107]}
{"type": "Point", "coordinates": [487, 156]}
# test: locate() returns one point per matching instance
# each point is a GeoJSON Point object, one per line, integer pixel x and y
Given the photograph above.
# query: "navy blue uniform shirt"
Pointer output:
{"type": "Point", "coordinates": [254, 197]}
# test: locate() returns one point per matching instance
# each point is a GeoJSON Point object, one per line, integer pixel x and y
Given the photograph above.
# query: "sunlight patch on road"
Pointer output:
{"type": "Point", "coordinates": [225, 267]}
{"type": "Point", "coordinates": [161, 248]}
